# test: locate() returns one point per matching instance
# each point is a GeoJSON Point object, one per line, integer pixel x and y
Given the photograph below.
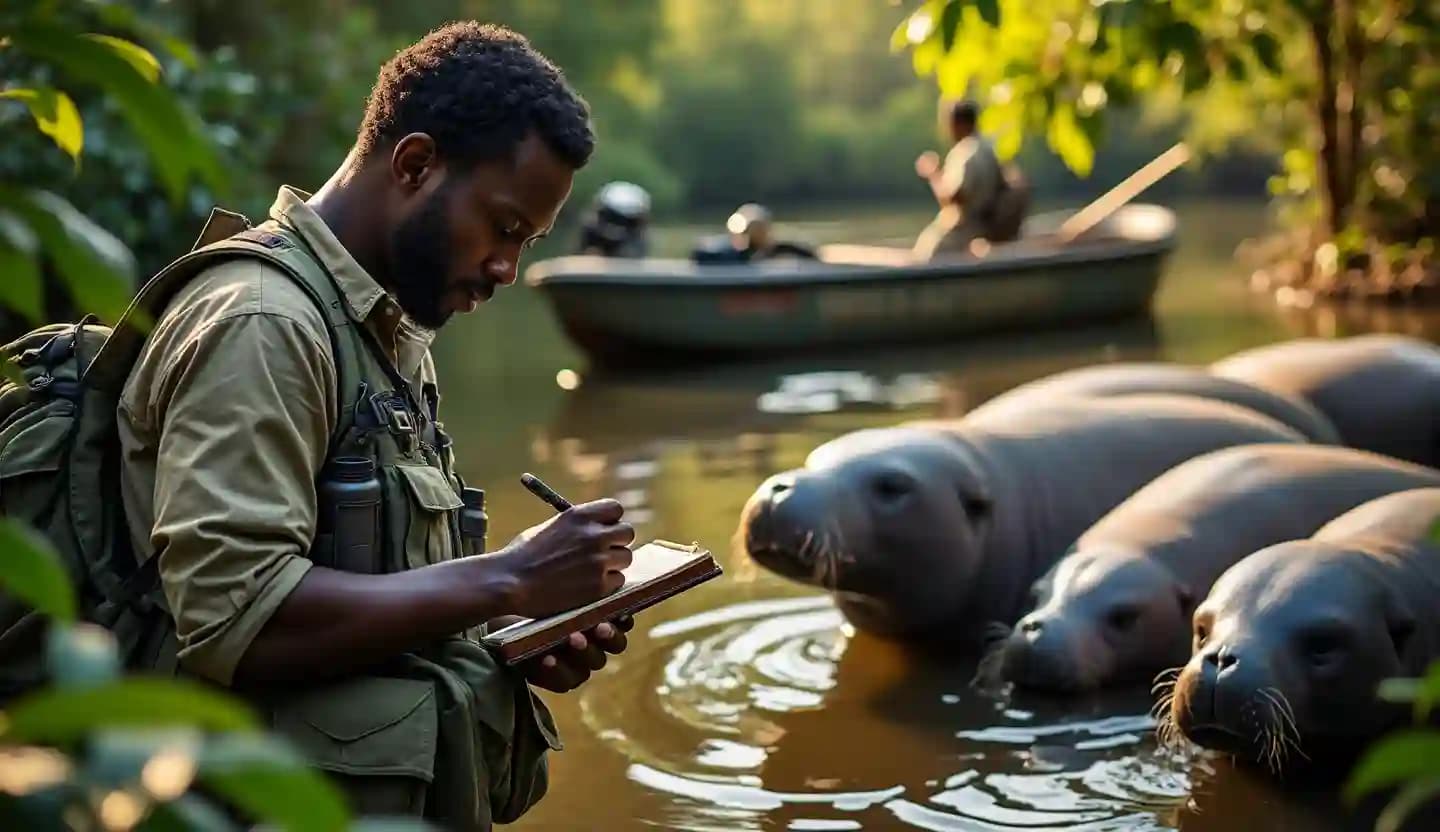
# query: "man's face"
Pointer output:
{"type": "Point", "coordinates": [460, 234]}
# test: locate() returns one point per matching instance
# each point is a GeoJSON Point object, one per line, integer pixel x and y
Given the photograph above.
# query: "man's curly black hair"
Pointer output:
{"type": "Point", "coordinates": [478, 90]}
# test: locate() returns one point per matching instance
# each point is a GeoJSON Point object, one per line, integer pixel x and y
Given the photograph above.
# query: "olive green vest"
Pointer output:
{"type": "Point", "coordinates": [446, 732]}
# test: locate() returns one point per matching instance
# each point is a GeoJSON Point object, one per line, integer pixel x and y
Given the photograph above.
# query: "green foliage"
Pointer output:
{"type": "Point", "coordinates": [55, 114]}
{"type": "Point", "coordinates": [33, 573]}
{"type": "Point", "coordinates": [1348, 93]}
{"type": "Point", "coordinates": [1408, 761]}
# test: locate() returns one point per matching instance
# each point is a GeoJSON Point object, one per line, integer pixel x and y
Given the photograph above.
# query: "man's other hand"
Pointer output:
{"type": "Point", "coordinates": [568, 666]}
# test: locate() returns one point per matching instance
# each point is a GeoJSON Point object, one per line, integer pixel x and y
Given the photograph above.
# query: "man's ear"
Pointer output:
{"type": "Point", "coordinates": [414, 160]}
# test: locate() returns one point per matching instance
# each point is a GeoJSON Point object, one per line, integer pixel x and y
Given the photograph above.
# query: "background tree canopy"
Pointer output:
{"type": "Point", "coordinates": [706, 104]}
{"type": "Point", "coordinates": [1346, 93]}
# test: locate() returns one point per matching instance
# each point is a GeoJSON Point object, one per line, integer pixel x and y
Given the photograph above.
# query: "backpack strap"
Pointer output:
{"type": "Point", "coordinates": [228, 236]}
{"type": "Point", "coordinates": [112, 365]}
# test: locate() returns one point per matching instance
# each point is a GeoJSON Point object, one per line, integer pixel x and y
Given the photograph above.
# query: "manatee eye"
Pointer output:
{"type": "Point", "coordinates": [892, 486]}
{"type": "Point", "coordinates": [1123, 618]}
{"type": "Point", "coordinates": [1202, 634]}
{"type": "Point", "coordinates": [976, 508]}
{"type": "Point", "coordinates": [1324, 646]}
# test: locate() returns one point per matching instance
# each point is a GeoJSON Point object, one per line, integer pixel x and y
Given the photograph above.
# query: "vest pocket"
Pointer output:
{"type": "Point", "coordinates": [365, 727]}
{"type": "Point", "coordinates": [429, 538]}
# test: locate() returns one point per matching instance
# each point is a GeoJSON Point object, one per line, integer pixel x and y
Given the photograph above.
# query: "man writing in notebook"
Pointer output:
{"type": "Point", "coordinates": [264, 369]}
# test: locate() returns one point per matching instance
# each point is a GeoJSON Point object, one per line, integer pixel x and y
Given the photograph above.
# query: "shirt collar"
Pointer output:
{"type": "Point", "coordinates": [406, 339]}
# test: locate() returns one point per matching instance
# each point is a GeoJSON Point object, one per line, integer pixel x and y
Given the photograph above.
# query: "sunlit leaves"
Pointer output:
{"type": "Point", "coordinates": [1069, 141]}
{"type": "Point", "coordinates": [128, 74]}
{"type": "Point", "coordinates": [131, 53]}
{"type": "Point", "coordinates": [54, 113]}
{"type": "Point", "coordinates": [31, 571]}
{"type": "Point", "coordinates": [97, 267]}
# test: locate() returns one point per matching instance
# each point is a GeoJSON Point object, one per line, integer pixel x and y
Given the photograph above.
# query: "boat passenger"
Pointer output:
{"type": "Point", "coordinates": [977, 198]}
{"type": "Point", "coordinates": [752, 237]}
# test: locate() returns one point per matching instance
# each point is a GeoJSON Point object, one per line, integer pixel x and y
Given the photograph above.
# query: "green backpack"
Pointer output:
{"type": "Point", "coordinates": [60, 460]}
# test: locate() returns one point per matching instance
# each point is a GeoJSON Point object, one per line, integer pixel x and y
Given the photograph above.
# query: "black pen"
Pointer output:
{"type": "Point", "coordinates": [535, 486]}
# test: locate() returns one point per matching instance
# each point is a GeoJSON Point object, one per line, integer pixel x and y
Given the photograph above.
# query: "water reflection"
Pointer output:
{"type": "Point", "coordinates": [771, 711]}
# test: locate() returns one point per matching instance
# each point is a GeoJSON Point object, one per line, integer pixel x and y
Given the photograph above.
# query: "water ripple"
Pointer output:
{"type": "Point", "coordinates": [770, 714]}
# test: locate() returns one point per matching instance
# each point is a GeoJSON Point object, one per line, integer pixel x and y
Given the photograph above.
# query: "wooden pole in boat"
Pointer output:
{"type": "Point", "coordinates": [1133, 185]}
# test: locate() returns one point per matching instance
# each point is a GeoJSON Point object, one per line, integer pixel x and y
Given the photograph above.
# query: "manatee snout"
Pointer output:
{"type": "Point", "coordinates": [792, 526]}
{"type": "Point", "coordinates": [1224, 700]}
{"type": "Point", "coordinates": [1045, 653]}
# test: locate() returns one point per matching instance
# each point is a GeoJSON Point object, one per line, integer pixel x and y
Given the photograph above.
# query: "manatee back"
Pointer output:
{"type": "Point", "coordinates": [1139, 378]}
{"type": "Point", "coordinates": [1405, 518]}
{"type": "Point", "coordinates": [1062, 467]}
{"type": "Point", "coordinates": [1210, 511]}
{"type": "Point", "coordinates": [1382, 392]}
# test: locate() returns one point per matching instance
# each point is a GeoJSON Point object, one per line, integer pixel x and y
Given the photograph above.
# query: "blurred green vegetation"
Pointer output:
{"type": "Point", "coordinates": [1406, 763]}
{"type": "Point", "coordinates": [1345, 93]}
{"type": "Point", "coordinates": [706, 104]}
{"type": "Point", "coordinates": [94, 749]}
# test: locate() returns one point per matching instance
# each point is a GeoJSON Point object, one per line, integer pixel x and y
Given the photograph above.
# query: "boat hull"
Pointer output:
{"type": "Point", "coordinates": [646, 313]}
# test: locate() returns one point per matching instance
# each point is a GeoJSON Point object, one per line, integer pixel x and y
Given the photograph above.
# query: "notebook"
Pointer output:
{"type": "Point", "coordinates": [660, 570]}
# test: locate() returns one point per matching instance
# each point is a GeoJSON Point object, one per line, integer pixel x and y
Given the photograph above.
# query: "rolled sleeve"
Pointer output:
{"type": "Point", "coordinates": [243, 408]}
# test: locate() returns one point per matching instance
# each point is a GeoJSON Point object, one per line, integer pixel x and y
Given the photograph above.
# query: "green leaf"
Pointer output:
{"type": "Point", "coordinates": [171, 135]}
{"type": "Point", "coordinates": [1397, 759]}
{"type": "Point", "coordinates": [20, 290]}
{"type": "Point", "coordinates": [97, 267]}
{"type": "Point", "coordinates": [900, 37]}
{"type": "Point", "coordinates": [1068, 139]}
{"type": "Point", "coordinates": [950, 23]}
{"type": "Point", "coordinates": [118, 16]}
{"type": "Point", "coordinates": [55, 114]}
{"type": "Point", "coordinates": [1411, 797]}
{"type": "Point", "coordinates": [989, 11]}
{"type": "Point", "coordinates": [131, 53]}
{"type": "Point", "coordinates": [31, 571]}
{"type": "Point", "coordinates": [270, 783]}
{"type": "Point", "coordinates": [1267, 51]}
{"type": "Point", "coordinates": [64, 716]}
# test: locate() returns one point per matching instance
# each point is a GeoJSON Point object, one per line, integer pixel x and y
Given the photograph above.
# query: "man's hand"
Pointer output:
{"type": "Point", "coordinates": [927, 164]}
{"type": "Point", "coordinates": [569, 665]}
{"type": "Point", "coordinates": [568, 561]}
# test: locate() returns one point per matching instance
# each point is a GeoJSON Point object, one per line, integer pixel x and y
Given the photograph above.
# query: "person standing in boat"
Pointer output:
{"type": "Point", "coordinates": [976, 200]}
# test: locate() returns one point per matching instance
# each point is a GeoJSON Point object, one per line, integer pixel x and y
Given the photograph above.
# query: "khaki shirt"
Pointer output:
{"type": "Point", "coordinates": [224, 424]}
{"type": "Point", "coordinates": [972, 172]}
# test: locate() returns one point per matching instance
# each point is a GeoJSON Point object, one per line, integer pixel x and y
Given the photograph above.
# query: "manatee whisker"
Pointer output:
{"type": "Point", "coordinates": [1289, 732]}
{"type": "Point", "coordinates": [1166, 731]}
{"type": "Point", "coordinates": [1165, 678]}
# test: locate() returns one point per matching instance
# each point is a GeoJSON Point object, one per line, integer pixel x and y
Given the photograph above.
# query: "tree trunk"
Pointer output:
{"type": "Point", "coordinates": [1329, 160]}
{"type": "Point", "coordinates": [1354, 97]}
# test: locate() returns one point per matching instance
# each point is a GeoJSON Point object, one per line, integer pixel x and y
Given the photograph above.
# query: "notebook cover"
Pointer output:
{"type": "Point", "coordinates": [525, 639]}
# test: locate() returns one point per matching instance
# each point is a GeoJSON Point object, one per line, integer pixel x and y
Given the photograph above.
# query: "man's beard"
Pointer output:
{"type": "Point", "coordinates": [420, 262]}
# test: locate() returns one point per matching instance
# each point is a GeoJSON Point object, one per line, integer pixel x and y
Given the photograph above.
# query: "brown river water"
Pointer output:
{"type": "Point", "coordinates": [749, 703]}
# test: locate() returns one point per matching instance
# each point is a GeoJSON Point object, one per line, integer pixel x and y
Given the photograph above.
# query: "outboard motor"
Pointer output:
{"type": "Point", "coordinates": [618, 222]}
